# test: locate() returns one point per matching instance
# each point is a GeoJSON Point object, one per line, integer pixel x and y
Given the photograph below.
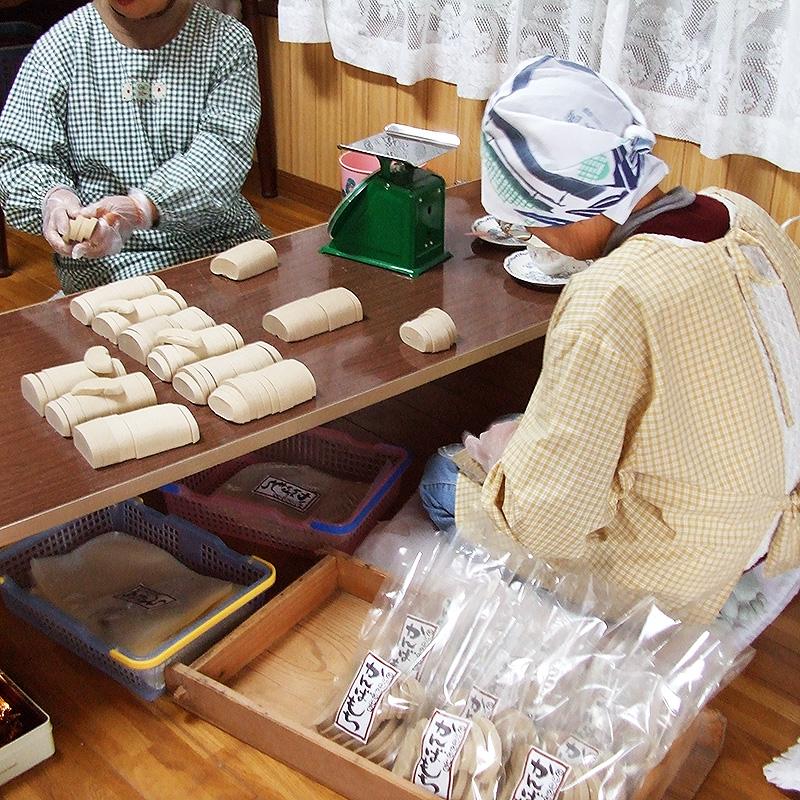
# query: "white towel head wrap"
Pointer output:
{"type": "Point", "coordinates": [559, 144]}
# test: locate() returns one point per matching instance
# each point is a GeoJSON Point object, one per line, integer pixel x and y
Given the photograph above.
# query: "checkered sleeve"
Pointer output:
{"type": "Point", "coordinates": [553, 484]}
{"type": "Point", "coordinates": [193, 188]}
{"type": "Point", "coordinates": [33, 143]}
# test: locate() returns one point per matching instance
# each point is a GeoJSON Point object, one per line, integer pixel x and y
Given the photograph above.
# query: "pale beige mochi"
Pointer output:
{"type": "Point", "coordinates": [310, 316]}
{"type": "Point", "coordinates": [88, 224]}
{"type": "Point", "coordinates": [246, 260]}
{"type": "Point", "coordinates": [196, 381]}
{"type": "Point", "coordinates": [431, 332]}
{"type": "Point", "coordinates": [135, 434]}
{"type": "Point", "coordinates": [139, 339]}
{"type": "Point", "coordinates": [296, 321]}
{"type": "Point", "coordinates": [240, 399]}
{"type": "Point", "coordinates": [85, 306]}
{"type": "Point", "coordinates": [341, 307]}
{"type": "Point", "coordinates": [442, 318]}
{"type": "Point", "coordinates": [176, 348]}
{"type": "Point", "coordinates": [99, 398]}
{"type": "Point", "coordinates": [80, 229]}
{"type": "Point", "coordinates": [115, 316]}
{"type": "Point", "coordinates": [39, 388]}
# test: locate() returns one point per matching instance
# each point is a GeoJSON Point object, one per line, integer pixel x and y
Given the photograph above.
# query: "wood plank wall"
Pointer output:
{"type": "Point", "coordinates": [320, 102]}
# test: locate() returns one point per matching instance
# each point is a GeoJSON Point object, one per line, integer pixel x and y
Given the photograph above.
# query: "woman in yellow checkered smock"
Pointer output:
{"type": "Point", "coordinates": [662, 442]}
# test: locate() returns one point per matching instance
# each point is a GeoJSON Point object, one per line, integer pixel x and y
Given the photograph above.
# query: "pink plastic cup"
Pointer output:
{"type": "Point", "coordinates": [356, 167]}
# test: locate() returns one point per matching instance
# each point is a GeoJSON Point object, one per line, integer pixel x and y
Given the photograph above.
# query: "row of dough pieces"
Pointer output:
{"type": "Point", "coordinates": [111, 310]}
{"type": "Point", "coordinates": [198, 356]}
{"type": "Point", "coordinates": [113, 416]}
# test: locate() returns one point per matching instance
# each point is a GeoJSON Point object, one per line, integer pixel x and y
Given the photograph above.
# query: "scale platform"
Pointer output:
{"type": "Point", "coordinates": [394, 218]}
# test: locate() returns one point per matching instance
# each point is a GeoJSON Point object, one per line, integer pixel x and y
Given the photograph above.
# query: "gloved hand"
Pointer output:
{"type": "Point", "coordinates": [118, 217]}
{"type": "Point", "coordinates": [59, 206]}
{"type": "Point", "coordinates": [488, 448]}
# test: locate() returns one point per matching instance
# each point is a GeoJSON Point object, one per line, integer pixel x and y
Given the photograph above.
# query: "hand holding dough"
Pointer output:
{"type": "Point", "coordinates": [85, 306]}
{"type": "Point", "coordinates": [99, 397]}
{"type": "Point", "coordinates": [245, 260]}
{"type": "Point", "coordinates": [196, 381]}
{"type": "Point", "coordinates": [39, 388]}
{"type": "Point", "coordinates": [430, 332]}
{"type": "Point", "coordinates": [135, 434]}
{"type": "Point", "coordinates": [309, 316]}
{"type": "Point", "coordinates": [114, 316]}
{"type": "Point", "coordinates": [176, 348]}
{"type": "Point", "coordinates": [139, 339]}
{"type": "Point", "coordinates": [265, 391]}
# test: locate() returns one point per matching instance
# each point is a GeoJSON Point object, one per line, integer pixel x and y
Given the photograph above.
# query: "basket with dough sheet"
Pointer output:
{"type": "Point", "coordinates": [378, 467]}
{"type": "Point", "coordinates": [196, 549]}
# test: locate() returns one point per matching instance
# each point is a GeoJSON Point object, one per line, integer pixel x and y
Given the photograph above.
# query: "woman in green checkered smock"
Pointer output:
{"type": "Point", "coordinates": [144, 111]}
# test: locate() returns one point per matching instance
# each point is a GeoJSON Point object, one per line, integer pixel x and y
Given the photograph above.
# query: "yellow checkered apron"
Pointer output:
{"type": "Point", "coordinates": [650, 447]}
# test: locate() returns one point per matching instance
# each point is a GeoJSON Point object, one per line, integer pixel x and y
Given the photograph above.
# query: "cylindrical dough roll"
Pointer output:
{"type": "Point", "coordinates": [196, 381]}
{"type": "Point", "coordinates": [167, 358]}
{"type": "Point", "coordinates": [117, 315]}
{"type": "Point", "coordinates": [245, 260]}
{"type": "Point", "coordinates": [431, 332]}
{"type": "Point", "coordinates": [84, 307]}
{"type": "Point", "coordinates": [135, 434]}
{"type": "Point", "coordinates": [139, 339]}
{"type": "Point", "coordinates": [39, 388]}
{"type": "Point", "coordinates": [80, 229]}
{"type": "Point", "coordinates": [340, 305]}
{"type": "Point", "coordinates": [242, 399]}
{"type": "Point", "coordinates": [99, 398]}
{"type": "Point", "coordinates": [309, 316]}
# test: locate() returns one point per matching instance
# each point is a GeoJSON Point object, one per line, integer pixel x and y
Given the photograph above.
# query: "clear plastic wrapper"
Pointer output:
{"type": "Point", "coordinates": [485, 674]}
{"type": "Point", "coordinates": [416, 618]}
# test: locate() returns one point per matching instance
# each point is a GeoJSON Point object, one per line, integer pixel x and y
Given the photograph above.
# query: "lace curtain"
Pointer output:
{"type": "Point", "coordinates": [722, 73]}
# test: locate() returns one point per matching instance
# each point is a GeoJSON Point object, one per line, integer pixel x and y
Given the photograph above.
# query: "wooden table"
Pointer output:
{"type": "Point", "coordinates": [45, 480]}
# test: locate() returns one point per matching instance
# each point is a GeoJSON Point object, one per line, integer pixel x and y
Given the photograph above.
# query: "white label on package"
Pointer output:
{"type": "Point", "coordinates": [480, 703]}
{"type": "Point", "coordinates": [357, 711]}
{"type": "Point", "coordinates": [441, 743]}
{"type": "Point", "coordinates": [542, 778]}
{"type": "Point", "coordinates": [286, 493]}
{"type": "Point", "coordinates": [415, 643]}
{"type": "Point", "coordinates": [578, 753]}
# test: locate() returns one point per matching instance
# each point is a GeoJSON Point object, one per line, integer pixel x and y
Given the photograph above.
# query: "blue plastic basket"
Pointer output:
{"type": "Point", "coordinates": [197, 549]}
{"type": "Point", "coordinates": [16, 40]}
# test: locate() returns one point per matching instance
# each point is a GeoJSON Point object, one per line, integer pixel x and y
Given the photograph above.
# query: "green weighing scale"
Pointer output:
{"type": "Point", "coordinates": [394, 218]}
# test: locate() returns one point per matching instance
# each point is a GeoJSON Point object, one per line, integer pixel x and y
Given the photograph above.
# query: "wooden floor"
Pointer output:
{"type": "Point", "coordinates": [111, 745]}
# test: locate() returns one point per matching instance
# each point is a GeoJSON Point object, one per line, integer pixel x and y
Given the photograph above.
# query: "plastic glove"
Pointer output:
{"type": "Point", "coordinates": [118, 217]}
{"type": "Point", "coordinates": [488, 448]}
{"type": "Point", "coordinates": [746, 602]}
{"type": "Point", "coordinates": [59, 206]}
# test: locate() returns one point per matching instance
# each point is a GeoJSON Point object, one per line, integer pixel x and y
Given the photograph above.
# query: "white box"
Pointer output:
{"type": "Point", "coordinates": [31, 747]}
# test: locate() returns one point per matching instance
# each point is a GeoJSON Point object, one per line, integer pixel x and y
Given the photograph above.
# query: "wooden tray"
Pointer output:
{"type": "Point", "coordinates": [268, 680]}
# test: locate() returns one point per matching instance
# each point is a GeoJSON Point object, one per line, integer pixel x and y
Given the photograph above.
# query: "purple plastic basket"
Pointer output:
{"type": "Point", "coordinates": [380, 465]}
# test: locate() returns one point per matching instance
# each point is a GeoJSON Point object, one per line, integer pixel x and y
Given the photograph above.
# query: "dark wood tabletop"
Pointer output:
{"type": "Point", "coordinates": [46, 482]}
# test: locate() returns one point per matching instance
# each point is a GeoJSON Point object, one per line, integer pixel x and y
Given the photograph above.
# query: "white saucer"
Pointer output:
{"type": "Point", "coordinates": [519, 266]}
{"type": "Point", "coordinates": [488, 229]}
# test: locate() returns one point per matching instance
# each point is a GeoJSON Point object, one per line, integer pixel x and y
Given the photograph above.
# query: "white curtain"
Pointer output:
{"type": "Point", "coordinates": [722, 73]}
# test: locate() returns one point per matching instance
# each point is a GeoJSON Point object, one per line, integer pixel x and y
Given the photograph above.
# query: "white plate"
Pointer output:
{"type": "Point", "coordinates": [520, 266]}
{"type": "Point", "coordinates": [488, 228]}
